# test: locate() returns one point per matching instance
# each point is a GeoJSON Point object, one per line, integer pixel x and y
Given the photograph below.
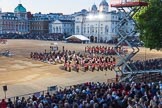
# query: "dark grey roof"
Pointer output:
{"type": "Point", "coordinates": [104, 3]}
{"type": "Point", "coordinates": [66, 20]}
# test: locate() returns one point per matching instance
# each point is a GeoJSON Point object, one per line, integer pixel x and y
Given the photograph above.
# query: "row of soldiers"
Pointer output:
{"type": "Point", "coordinates": [49, 57]}
{"type": "Point", "coordinates": [92, 64]}
{"type": "Point", "coordinates": [53, 57]}
{"type": "Point", "coordinates": [104, 50]}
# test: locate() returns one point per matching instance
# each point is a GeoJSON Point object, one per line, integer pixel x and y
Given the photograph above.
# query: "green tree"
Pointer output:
{"type": "Point", "coordinates": [149, 20]}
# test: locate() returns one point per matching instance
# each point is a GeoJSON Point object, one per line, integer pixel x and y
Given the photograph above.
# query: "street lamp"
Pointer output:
{"type": "Point", "coordinates": [97, 17]}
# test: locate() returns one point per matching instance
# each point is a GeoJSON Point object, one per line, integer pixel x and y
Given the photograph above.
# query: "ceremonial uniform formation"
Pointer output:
{"type": "Point", "coordinates": [48, 57]}
{"type": "Point", "coordinates": [88, 62]}
{"type": "Point", "coordinates": [104, 50]}
{"type": "Point", "coordinates": [76, 61]}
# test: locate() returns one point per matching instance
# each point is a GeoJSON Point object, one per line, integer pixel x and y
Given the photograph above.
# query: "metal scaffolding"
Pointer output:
{"type": "Point", "coordinates": [128, 9]}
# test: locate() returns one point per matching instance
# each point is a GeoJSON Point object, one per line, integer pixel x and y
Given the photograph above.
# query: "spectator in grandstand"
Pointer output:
{"type": "Point", "coordinates": [97, 95]}
{"type": "Point", "coordinates": [10, 104]}
{"type": "Point", "coordinates": [150, 64]}
{"type": "Point", "coordinates": [3, 104]}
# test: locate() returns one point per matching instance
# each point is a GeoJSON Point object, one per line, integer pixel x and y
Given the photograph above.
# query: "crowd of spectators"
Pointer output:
{"type": "Point", "coordinates": [47, 36]}
{"type": "Point", "coordinates": [151, 64]}
{"type": "Point", "coordinates": [95, 95]}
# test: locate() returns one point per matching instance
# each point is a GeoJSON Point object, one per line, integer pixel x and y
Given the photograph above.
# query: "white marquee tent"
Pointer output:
{"type": "Point", "coordinates": [78, 39]}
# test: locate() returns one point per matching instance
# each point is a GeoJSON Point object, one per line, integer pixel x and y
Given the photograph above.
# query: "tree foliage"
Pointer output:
{"type": "Point", "coordinates": [149, 20]}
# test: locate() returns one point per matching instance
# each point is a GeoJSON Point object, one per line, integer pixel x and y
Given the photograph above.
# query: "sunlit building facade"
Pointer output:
{"type": "Point", "coordinates": [14, 22]}
{"type": "Point", "coordinates": [99, 25]}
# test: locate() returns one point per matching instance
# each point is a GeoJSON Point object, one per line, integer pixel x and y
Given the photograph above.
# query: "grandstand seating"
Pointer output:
{"type": "Point", "coordinates": [95, 95]}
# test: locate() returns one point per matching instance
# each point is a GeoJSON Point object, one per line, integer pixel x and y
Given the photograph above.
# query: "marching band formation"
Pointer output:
{"type": "Point", "coordinates": [98, 58]}
{"type": "Point", "coordinates": [48, 57]}
{"type": "Point", "coordinates": [77, 61]}
{"type": "Point", "coordinates": [104, 50]}
{"type": "Point", "coordinates": [91, 63]}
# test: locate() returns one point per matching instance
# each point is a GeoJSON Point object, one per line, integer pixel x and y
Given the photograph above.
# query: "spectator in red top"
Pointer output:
{"type": "Point", "coordinates": [3, 104]}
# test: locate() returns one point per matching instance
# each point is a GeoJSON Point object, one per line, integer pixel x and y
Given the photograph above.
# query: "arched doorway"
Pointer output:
{"type": "Point", "coordinates": [101, 40]}
{"type": "Point", "coordinates": [95, 39]}
{"type": "Point", "coordinates": [91, 38]}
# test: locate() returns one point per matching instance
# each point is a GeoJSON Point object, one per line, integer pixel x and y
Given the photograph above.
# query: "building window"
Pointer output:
{"type": "Point", "coordinates": [54, 29]}
{"type": "Point", "coordinates": [112, 30]}
{"type": "Point", "coordinates": [60, 29]}
{"type": "Point", "coordinates": [88, 30]}
{"type": "Point", "coordinates": [92, 29]}
{"type": "Point", "coordinates": [84, 30]}
{"type": "Point", "coordinates": [96, 30]}
{"type": "Point", "coordinates": [77, 29]}
{"type": "Point", "coordinates": [101, 30]}
{"type": "Point", "coordinates": [106, 29]}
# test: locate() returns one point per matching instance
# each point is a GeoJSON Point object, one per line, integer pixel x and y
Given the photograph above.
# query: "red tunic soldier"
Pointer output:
{"type": "Point", "coordinates": [102, 65]}
{"type": "Point", "coordinates": [77, 65]}
{"type": "Point", "coordinates": [109, 65]}
{"type": "Point", "coordinates": [113, 63]}
{"type": "Point", "coordinates": [93, 66]}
